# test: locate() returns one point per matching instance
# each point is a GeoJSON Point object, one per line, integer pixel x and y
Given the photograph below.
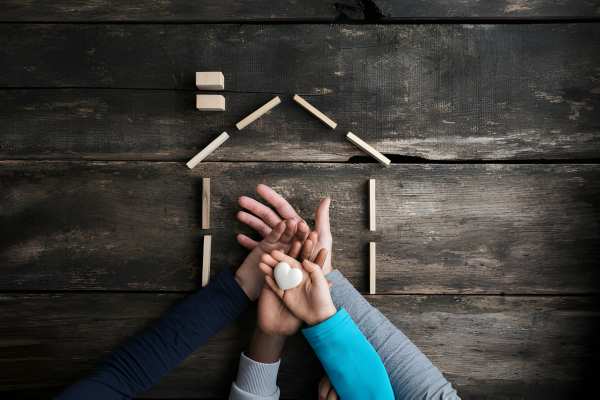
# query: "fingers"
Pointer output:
{"type": "Point", "coordinates": [310, 267]}
{"type": "Point", "coordinates": [290, 231]}
{"type": "Point", "coordinates": [253, 222]}
{"type": "Point", "coordinates": [322, 217]}
{"type": "Point", "coordinates": [295, 249]}
{"type": "Point", "coordinates": [302, 232]}
{"type": "Point", "coordinates": [283, 208]}
{"type": "Point", "coordinates": [315, 272]}
{"type": "Point", "coordinates": [324, 388]}
{"type": "Point", "coordinates": [314, 238]}
{"type": "Point", "coordinates": [321, 257]}
{"type": "Point", "coordinates": [307, 249]}
{"type": "Point", "coordinates": [266, 214]}
{"type": "Point", "coordinates": [245, 241]}
{"type": "Point", "coordinates": [266, 269]}
{"type": "Point", "coordinates": [268, 260]}
{"type": "Point", "coordinates": [277, 233]}
{"type": "Point", "coordinates": [273, 286]}
{"type": "Point", "coordinates": [279, 256]}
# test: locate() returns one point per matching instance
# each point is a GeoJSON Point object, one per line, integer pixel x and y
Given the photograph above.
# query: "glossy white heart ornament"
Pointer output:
{"type": "Point", "coordinates": [286, 276]}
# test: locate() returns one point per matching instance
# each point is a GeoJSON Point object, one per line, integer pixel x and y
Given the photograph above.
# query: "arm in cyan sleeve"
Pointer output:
{"type": "Point", "coordinates": [145, 358]}
{"type": "Point", "coordinates": [411, 373]}
{"type": "Point", "coordinates": [354, 368]}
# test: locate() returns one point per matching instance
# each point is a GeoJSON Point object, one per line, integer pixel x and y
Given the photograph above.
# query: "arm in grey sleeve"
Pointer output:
{"type": "Point", "coordinates": [411, 373]}
{"type": "Point", "coordinates": [255, 381]}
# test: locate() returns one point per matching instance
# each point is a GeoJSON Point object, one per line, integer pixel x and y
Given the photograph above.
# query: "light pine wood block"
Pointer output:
{"type": "Point", "coordinates": [372, 206]}
{"type": "Point", "coordinates": [210, 102]}
{"type": "Point", "coordinates": [372, 267]}
{"type": "Point", "coordinates": [212, 146]}
{"type": "Point", "coordinates": [210, 80]}
{"type": "Point", "coordinates": [274, 102]}
{"type": "Point", "coordinates": [206, 250]}
{"type": "Point", "coordinates": [364, 146]}
{"type": "Point", "coordinates": [314, 111]}
{"type": "Point", "coordinates": [205, 203]}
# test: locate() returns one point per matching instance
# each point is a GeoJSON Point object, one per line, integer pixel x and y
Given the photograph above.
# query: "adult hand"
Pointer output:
{"type": "Point", "coordinates": [281, 237]}
{"type": "Point", "coordinates": [263, 219]}
{"type": "Point", "coordinates": [310, 301]}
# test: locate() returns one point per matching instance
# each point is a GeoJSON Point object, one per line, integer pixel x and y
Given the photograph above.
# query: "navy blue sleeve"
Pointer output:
{"type": "Point", "coordinates": [144, 359]}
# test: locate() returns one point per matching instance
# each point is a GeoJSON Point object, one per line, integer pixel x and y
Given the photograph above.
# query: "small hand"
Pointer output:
{"type": "Point", "coordinates": [263, 219]}
{"type": "Point", "coordinates": [281, 237]}
{"type": "Point", "coordinates": [274, 318]}
{"type": "Point", "coordinates": [326, 390]}
{"type": "Point", "coordinates": [311, 300]}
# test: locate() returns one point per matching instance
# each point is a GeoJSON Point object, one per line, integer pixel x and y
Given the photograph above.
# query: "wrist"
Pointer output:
{"type": "Point", "coordinates": [265, 348]}
{"type": "Point", "coordinates": [322, 315]}
{"type": "Point", "coordinates": [248, 276]}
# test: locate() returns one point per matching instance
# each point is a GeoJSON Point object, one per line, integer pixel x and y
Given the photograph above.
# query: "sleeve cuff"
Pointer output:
{"type": "Point", "coordinates": [320, 332]}
{"type": "Point", "coordinates": [258, 378]}
{"type": "Point", "coordinates": [225, 281]}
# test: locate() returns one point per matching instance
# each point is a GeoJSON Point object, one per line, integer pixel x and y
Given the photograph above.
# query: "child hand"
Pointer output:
{"type": "Point", "coordinates": [274, 318]}
{"type": "Point", "coordinates": [281, 237]}
{"type": "Point", "coordinates": [310, 301]}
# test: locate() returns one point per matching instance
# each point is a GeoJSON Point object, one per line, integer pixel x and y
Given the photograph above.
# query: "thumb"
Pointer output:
{"type": "Point", "coordinates": [315, 273]}
{"type": "Point", "coordinates": [276, 233]}
{"type": "Point", "coordinates": [322, 217]}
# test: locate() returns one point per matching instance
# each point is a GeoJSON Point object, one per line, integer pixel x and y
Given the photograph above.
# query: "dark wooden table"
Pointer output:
{"type": "Point", "coordinates": [489, 218]}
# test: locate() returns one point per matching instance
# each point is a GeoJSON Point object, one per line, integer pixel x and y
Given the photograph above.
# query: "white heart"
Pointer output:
{"type": "Point", "coordinates": [286, 276]}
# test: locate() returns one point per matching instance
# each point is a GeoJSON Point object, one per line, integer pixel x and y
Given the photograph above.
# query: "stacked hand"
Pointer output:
{"type": "Point", "coordinates": [281, 237]}
{"type": "Point", "coordinates": [263, 220]}
{"type": "Point", "coordinates": [310, 301]}
{"type": "Point", "coordinates": [280, 313]}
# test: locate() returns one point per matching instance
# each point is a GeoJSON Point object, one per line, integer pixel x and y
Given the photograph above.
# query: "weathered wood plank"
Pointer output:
{"type": "Point", "coordinates": [433, 91]}
{"type": "Point", "coordinates": [164, 125]}
{"type": "Point", "coordinates": [212, 10]}
{"type": "Point", "coordinates": [443, 228]}
{"type": "Point", "coordinates": [492, 347]}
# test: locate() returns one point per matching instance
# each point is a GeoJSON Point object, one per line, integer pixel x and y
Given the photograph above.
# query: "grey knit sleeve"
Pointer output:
{"type": "Point", "coordinates": [411, 373]}
{"type": "Point", "coordinates": [255, 381]}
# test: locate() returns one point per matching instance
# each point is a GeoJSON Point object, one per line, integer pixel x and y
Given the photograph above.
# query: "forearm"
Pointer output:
{"type": "Point", "coordinates": [257, 372]}
{"type": "Point", "coordinates": [353, 366]}
{"type": "Point", "coordinates": [411, 373]}
{"type": "Point", "coordinates": [265, 348]}
{"type": "Point", "coordinates": [145, 358]}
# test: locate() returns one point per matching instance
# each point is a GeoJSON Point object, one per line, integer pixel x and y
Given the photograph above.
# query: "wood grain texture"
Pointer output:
{"type": "Point", "coordinates": [253, 10]}
{"type": "Point", "coordinates": [206, 256]}
{"type": "Point", "coordinates": [492, 347]}
{"type": "Point", "coordinates": [491, 92]}
{"type": "Point", "coordinates": [205, 203]}
{"type": "Point", "coordinates": [443, 228]}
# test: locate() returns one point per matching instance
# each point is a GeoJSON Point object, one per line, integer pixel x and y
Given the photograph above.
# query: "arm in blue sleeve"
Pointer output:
{"type": "Point", "coordinates": [353, 366]}
{"type": "Point", "coordinates": [144, 359]}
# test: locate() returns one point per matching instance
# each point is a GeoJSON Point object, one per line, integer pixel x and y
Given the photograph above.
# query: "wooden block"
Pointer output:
{"type": "Point", "coordinates": [212, 146]}
{"type": "Point", "coordinates": [372, 206]}
{"type": "Point", "coordinates": [205, 203]}
{"type": "Point", "coordinates": [372, 267]}
{"type": "Point", "coordinates": [275, 101]}
{"type": "Point", "coordinates": [210, 80]}
{"type": "Point", "coordinates": [210, 102]}
{"type": "Point", "coordinates": [206, 259]}
{"type": "Point", "coordinates": [361, 144]}
{"type": "Point", "coordinates": [313, 110]}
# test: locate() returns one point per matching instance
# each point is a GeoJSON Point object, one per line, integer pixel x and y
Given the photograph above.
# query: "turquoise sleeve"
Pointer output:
{"type": "Point", "coordinates": [353, 366]}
